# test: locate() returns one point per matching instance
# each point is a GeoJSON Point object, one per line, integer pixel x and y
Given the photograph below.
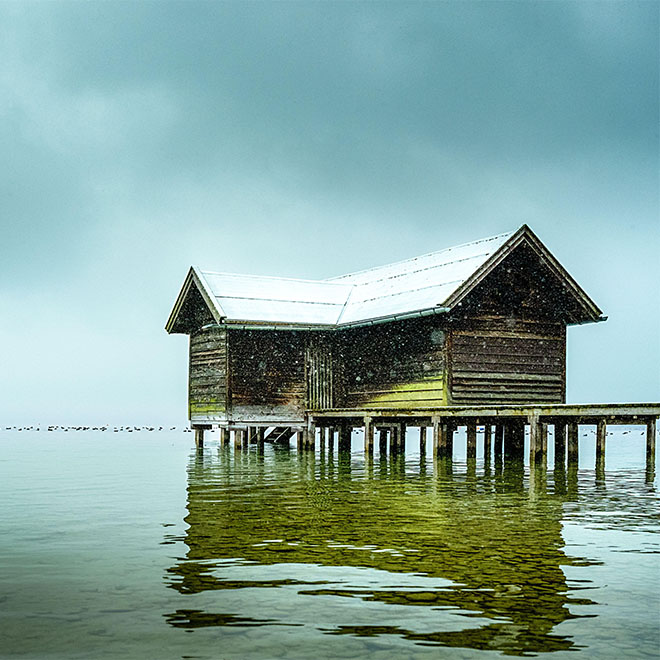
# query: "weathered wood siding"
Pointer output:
{"type": "Point", "coordinates": [207, 382]}
{"type": "Point", "coordinates": [267, 370]}
{"type": "Point", "coordinates": [319, 367]}
{"type": "Point", "coordinates": [395, 364]}
{"type": "Point", "coordinates": [507, 361]}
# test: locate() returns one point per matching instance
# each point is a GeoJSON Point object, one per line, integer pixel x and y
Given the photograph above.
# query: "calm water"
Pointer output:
{"type": "Point", "coordinates": [135, 545]}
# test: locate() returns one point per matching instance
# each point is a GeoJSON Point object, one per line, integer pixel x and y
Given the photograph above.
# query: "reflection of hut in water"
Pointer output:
{"type": "Point", "coordinates": [481, 323]}
{"type": "Point", "coordinates": [505, 568]}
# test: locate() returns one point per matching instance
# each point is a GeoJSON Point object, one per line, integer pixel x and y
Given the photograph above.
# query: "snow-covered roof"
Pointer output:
{"type": "Point", "coordinates": [428, 283]}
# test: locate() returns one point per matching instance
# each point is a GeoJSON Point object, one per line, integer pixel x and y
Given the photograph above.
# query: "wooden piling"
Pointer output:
{"type": "Point", "coordinates": [572, 453]}
{"type": "Point", "coordinates": [536, 430]}
{"type": "Point", "coordinates": [401, 444]}
{"type": "Point", "coordinates": [261, 432]}
{"type": "Point", "coordinates": [560, 444]}
{"type": "Point", "coordinates": [601, 434]}
{"type": "Point", "coordinates": [442, 439]}
{"type": "Point", "coordinates": [223, 436]}
{"type": "Point", "coordinates": [393, 440]}
{"type": "Point", "coordinates": [368, 436]}
{"type": "Point", "coordinates": [499, 442]}
{"type": "Point", "coordinates": [382, 441]}
{"type": "Point", "coordinates": [650, 444]}
{"type": "Point", "coordinates": [514, 440]}
{"type": "Point", "coordinates": [345, 437]}
{"type": "Point", "coordinates": [422, 440]}
{"type": "Point", "coordinates": [488, 429]}
{"type": "Point", "coordinates": [199, 436]}
{"type": "Point", "coordinates": [471, 440]}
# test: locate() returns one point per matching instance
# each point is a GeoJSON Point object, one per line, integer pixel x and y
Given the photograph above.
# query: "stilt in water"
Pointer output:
{"type": "Point", "coordinates": [514, 441]}
{"type": "Point", "coordinates": [422, 440]}
{"type": "Point", "coordinates": [488, 429]}
{"type": "Point", "coordinates": [345, 432]}
{"type": "Point", "coordinates": [199, 436]}
{"type": "Point", "coordinates": [650, 449]}
{"type": "Point", "coordinates": [601, 435]}
{"type": "Point", "coordinates": [572, 453]}
{"type": "Point", "coordinates": [499, 445]}
{"type": "Point", "coordinates": [368, 436]}
{"type": "Point", "coordinates": [382, 442]}
{"type": "Point", "coordinates": [560, 444]}
{"type": "Point", "coordinates": [471, 440]}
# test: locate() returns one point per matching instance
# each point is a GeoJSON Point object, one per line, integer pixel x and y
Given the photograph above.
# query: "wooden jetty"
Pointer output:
{"type": "Point", "coordinates": [471, 336]}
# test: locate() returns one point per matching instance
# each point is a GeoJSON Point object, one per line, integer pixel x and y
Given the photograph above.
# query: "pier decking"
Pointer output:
{"type": "Point", "coordinates": [503, 432]}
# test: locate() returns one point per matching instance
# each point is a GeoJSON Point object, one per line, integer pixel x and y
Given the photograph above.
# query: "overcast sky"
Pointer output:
{"type": "Point", "coordinates": [308, 140]}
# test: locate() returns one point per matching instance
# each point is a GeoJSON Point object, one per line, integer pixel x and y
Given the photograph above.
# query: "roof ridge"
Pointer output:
{"type": "Point", "coordinates": [333, 280]}
{"type": "Point", "coordinates": [270, 277]}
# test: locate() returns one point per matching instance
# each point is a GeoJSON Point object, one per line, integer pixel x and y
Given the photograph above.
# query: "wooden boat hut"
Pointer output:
{"type": "Point", "coordinates": [480, 323]}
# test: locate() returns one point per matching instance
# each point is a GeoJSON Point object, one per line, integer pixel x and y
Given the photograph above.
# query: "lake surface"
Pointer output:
{"type": "Point", "coordinates": [136, 545]}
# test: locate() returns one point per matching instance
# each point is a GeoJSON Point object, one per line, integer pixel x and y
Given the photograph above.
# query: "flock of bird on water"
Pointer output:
{"type": "Point", "coordinates": [115, 429]}
{"type": "Point", "coordinates": [184, 429]}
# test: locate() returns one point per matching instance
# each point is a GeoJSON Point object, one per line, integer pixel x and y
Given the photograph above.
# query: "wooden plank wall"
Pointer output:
{"type": "Point", "coordinates": [507, 361]}
{"type": "Point", "coordinates": [319, 360]}
{"type": "Point", "coordinates": [267, 370]}
{"type": "Point", "coordinates": [207, 382]}
{"type": "Point", "coordinates": [395, 364]}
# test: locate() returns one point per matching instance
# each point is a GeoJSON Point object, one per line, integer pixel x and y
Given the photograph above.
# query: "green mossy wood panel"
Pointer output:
{"type": "Point", "coordinates": [207, 383]}
{"type": "Point", "coordinates": [395, 364]}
